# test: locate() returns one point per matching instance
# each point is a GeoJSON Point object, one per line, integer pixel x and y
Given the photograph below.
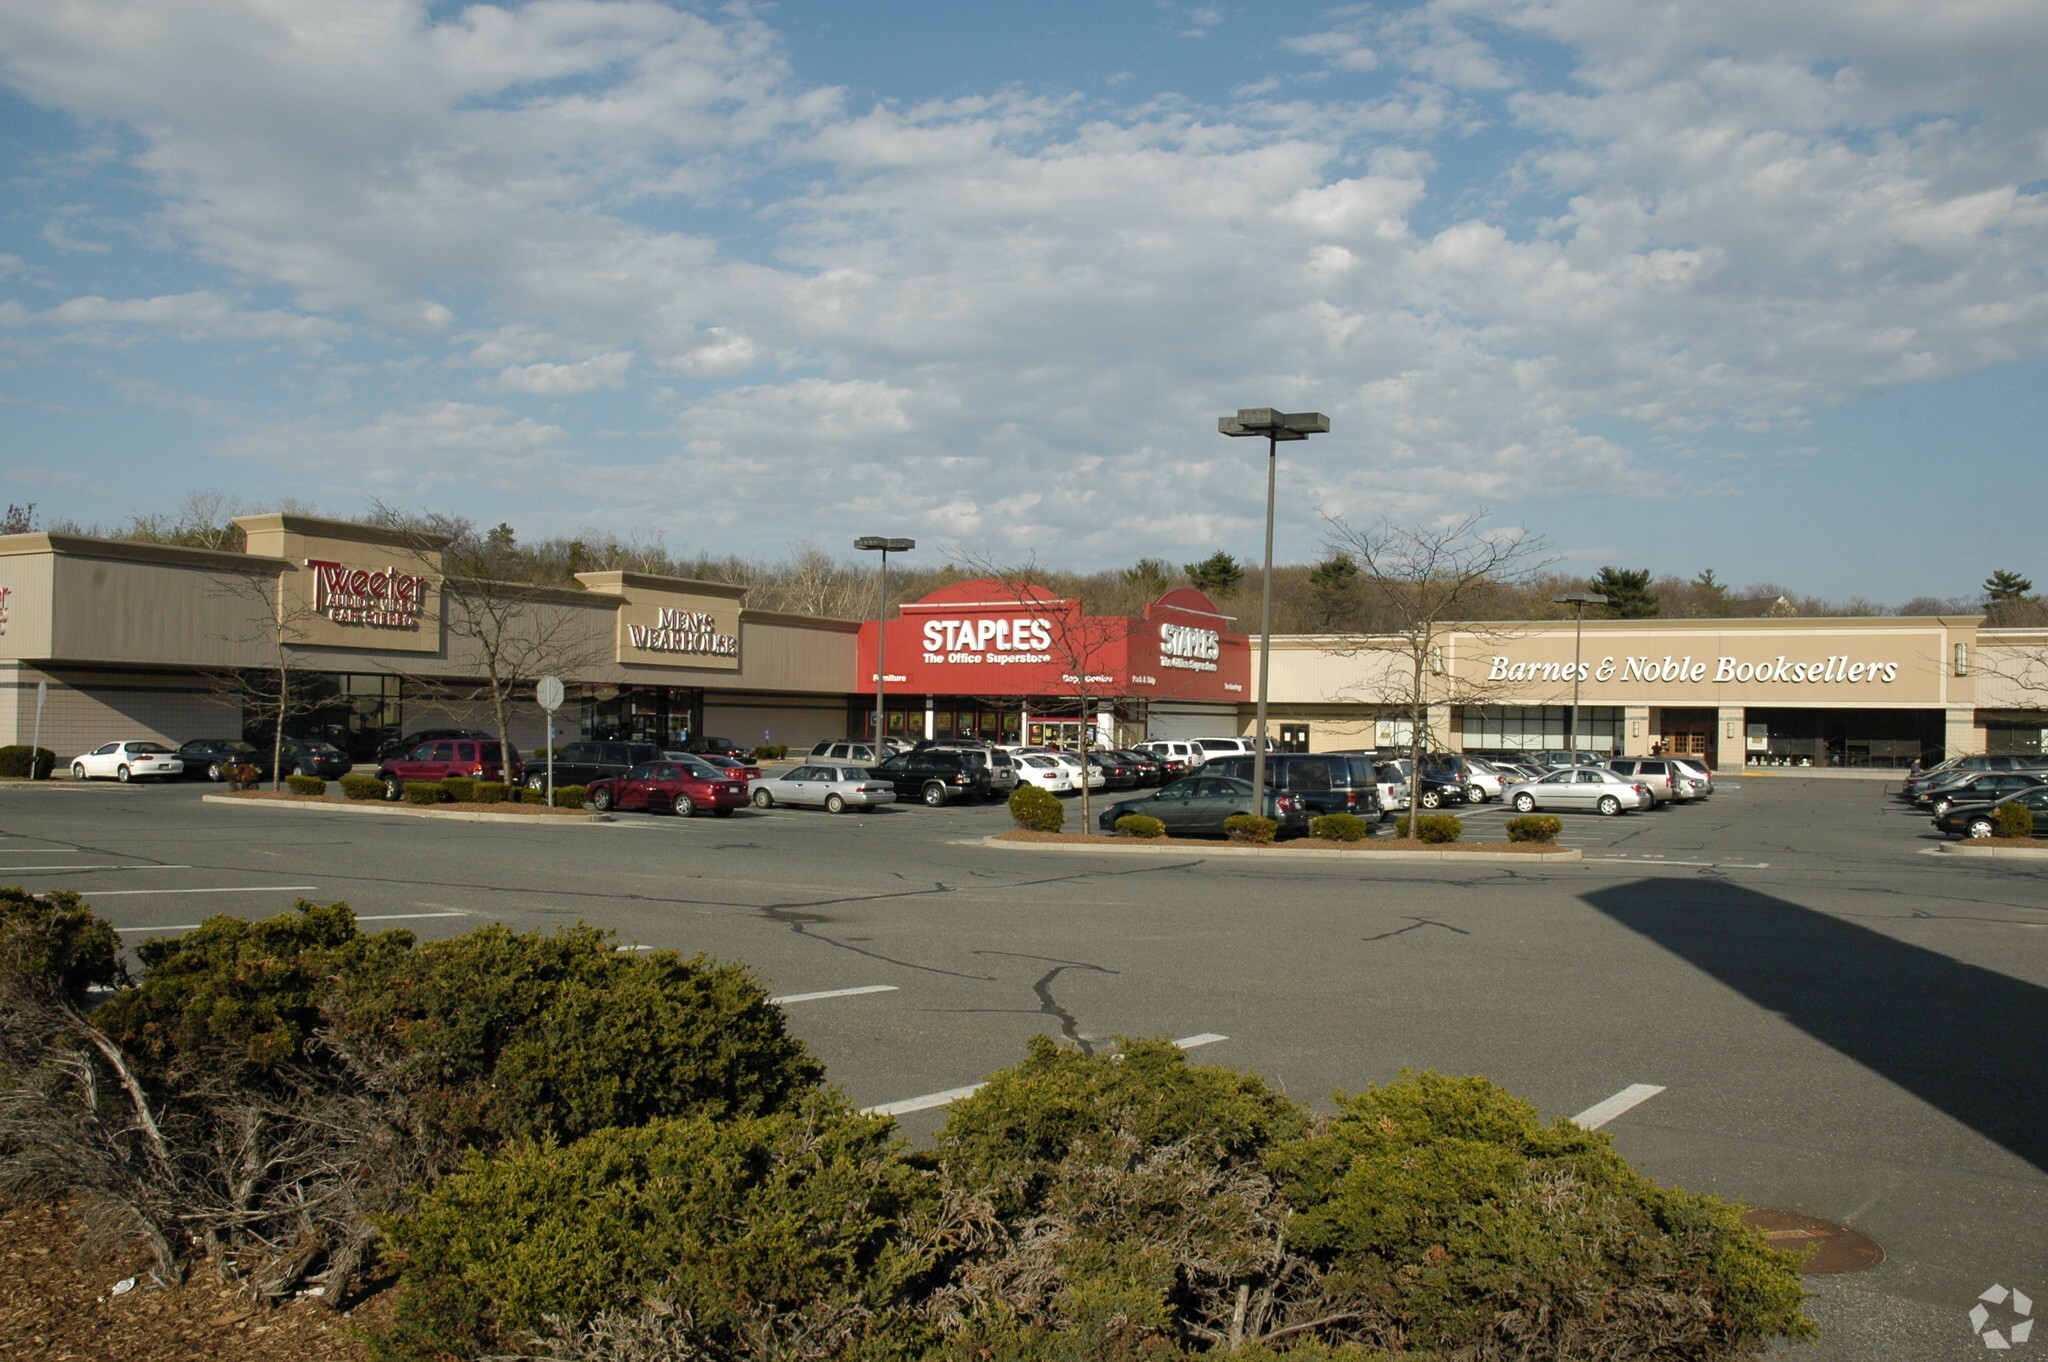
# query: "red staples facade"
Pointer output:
{"type": "Point", "coordinates": [989, 637]}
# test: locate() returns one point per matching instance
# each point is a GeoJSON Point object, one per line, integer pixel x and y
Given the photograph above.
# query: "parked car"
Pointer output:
{"type": "Point", "coordinates": [936, 776]}
{"type": "Point", "coordinates": [209, 758]}
{"type": "Point", "coordinates": [311, 757]}
{"type": "Point", "coordinates": [128, 761]}
{"type": "Point", "coordinates": [1552, 759]}
{"type": "Point", "coordinates": [1188, 754]}
{"type": "Point", "coordinates": [1149, 769]}
{"type": "Point", "coordinates": [579, 763]}
{"type": "Point", "coordinates": [1195, 806]}
{"type": "Point", "coordinates": [715, 747]}
{"type": "Point", "coordinates": [834, 789]}
{"type": "Point", "coordinates": [847, 750]}
{"type": "Point", "coordinates": [1666, 780]}
{"type": "Point", "coordinates": [1698, 772]}
{"type": "Point", "coordinates": [1083, 773]}
{"type": "Point", "coordinates": [1978, 787]}
{"type": "Point", "coordinates": [1981, 820]}
{"type": "Point", "coordinates": [478, 758]}
{"type": "Point", "coordinates": [682, 790]}
{"type": "Point", "coordinates": [1117, 774]}
{"type": "Point", "coordinates": [1040, 771]}
{"type": "Point", "coordinates": [400, 747]}
{"type": "Point", "coordinates": [1592, 789]}
{"type": "Point", "coordinates": [1321, 782]}
{"type": "Point", "coordinates": [1959, 769]}
{"type": "Point", "coordinates": [1002, 768]}
{"type": "Point", "coordinates": [731, 767]}
{"type": "Point", "coordinates": [1229, 747]}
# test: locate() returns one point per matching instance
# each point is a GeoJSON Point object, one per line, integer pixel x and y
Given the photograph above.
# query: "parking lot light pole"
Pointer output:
{"type": "Point", "coordinates": [1578, 601]}
{"type": "Point", "coordinates": [1275, 426]}
{"type": "Point", "coordinates": [886, 547]}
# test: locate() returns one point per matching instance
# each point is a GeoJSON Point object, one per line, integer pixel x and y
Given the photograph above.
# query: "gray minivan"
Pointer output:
{"type": "Point", "coordinates": [1322, 782]}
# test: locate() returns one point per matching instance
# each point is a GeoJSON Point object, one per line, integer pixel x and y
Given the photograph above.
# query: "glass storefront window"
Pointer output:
{"type": "Point", "coordinates": [664, 715]}
{"type": "Point", "coordinates": [1537, 728]}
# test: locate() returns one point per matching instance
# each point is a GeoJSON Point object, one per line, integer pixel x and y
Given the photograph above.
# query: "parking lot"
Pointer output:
{"type": "Point", "coordinates": [1835, 1023]}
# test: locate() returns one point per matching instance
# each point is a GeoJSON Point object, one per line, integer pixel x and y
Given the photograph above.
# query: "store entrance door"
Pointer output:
{"type": "Point", "coordinates": [1688, 732]}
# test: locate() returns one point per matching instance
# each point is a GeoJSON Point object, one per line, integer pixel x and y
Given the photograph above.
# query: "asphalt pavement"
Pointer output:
{"type": "Point", "coordinates": [1836, 1023]}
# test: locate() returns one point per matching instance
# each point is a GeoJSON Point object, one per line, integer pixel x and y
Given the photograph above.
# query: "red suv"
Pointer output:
{"type": "Point", "coordinates": [474, 757]}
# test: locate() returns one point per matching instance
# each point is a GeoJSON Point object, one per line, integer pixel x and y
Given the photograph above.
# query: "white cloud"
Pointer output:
{"type": "Point", "coordinates": [562, 380]}
{"type": "Point", "coordinates": [411, 453]}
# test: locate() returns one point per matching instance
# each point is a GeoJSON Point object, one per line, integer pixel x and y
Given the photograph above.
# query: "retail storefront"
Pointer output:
{"type": "Point", "coordinates": [1840, 693]}
{"type": "Point", "coordinates": [103, 639]}
{"type": "Point", "coordinates": [1011, 661]}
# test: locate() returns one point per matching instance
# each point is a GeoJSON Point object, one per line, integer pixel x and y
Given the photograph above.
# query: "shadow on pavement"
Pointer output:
{"type": "Point", "coordinates": [1969, 1041]}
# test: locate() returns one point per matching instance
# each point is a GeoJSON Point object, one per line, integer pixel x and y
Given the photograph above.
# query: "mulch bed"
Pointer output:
{"type": "Point", "coordinates": [1367, 847]}
{"type": "Point", "coordinates": [55, 1304]}
{"type": "Point", "coordinates": [536, 810]}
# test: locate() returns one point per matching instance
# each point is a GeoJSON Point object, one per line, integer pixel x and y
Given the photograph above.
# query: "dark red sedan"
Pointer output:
{"type": "Point", "coordinates": [667, 785]}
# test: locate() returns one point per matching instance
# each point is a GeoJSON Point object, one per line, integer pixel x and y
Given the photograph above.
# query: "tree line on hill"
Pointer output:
{"type": "Point", "coordinates": [1328, 596]}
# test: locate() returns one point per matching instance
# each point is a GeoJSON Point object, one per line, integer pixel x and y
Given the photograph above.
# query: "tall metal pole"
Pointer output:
{"type": "Point", "coordinates": [881, 653]}
{"type": "Point", "coordinates": [1265, 636]}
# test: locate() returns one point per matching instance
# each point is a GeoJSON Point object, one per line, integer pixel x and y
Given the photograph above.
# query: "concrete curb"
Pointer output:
{"type": "Point", "coordinates": [404, 811]}
{"type": "Point", "coordinates": [67, 783]}
{"type": "Point", "coordinates": [1292, 852]}
{"type": "Point", "coordinates": [1805, 773]}
{"type": "Point", "coordinates": [1990, 853]}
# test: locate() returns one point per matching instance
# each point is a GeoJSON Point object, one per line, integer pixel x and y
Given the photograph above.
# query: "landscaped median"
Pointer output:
{"type": "Point", "coordinates": [1388, 849]}
{"type": "Point", "coordinates": [2008, 848]}
{"type": "Point", "coordinates": [459, 813]}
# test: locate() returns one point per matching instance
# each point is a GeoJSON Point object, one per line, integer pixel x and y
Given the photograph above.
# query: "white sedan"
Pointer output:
{"type": "Point", "coordinates": [1077, 771]}
{"type": "Point", "coordinates": [1592, 788]}
{"type": "Point", "coordinates": [125, 761]}
{"type": "Point", "coordinates": [1040, 771]}
{"type": "Point", "coordinates": [832, 788]}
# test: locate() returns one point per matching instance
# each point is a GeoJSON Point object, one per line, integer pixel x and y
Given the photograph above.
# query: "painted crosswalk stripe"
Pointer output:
{"type": "Point", "coordinates": [1628, 1099]}
{"type": "Point", "coordinates": [833, 993]}
{"type": "Point", "coordinates": [195, 926]}
{"type": "Point", "coordinates": [238, 889]}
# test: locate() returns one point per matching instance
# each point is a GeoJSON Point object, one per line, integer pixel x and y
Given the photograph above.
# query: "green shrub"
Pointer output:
{"type": "Point", "coordinates": [1140, 825]}
{"type": "Point", "coordinates": [1036, 809]}
{"type": "Point", "coordinates": [1534, 827]}
{"type": "Point", "coordinates": [362, 787]}
{"type": "Point", "coordinates": [425, 792]}
{"type": "Point", "coordinates": [526, 796]}
{"type": "Point", "coordinates": [1433, 827]}
{"type": "Point", "coordinates": [459, 789]}
{"type": "Point", "coordinates": [305, 785]}
{"type": "Point", "coordinates": [773, 751]}
{"type": "Point", "coordinates": [19, 761]}
{"type": "Point", "coordinates": [1491, 1234]}
{"type": "Point", "coordinates": [2013, 820]}
{"type": "Point", "coordinates": [491, 792]}
{"type": "Point", "coordinates": [1250, 829]}
{"type": "Point", "coordinates": [1339, 827]}
{"type": "Point", "coordinates": [570, 796]}
{"type": "Point", "coordinates": [735, 1225]}
{"type": "Point", "coordinates": [52, 942]}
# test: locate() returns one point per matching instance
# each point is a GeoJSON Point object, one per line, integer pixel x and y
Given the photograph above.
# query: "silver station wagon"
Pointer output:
{"type": "Point", "coordinates": [832, 788]}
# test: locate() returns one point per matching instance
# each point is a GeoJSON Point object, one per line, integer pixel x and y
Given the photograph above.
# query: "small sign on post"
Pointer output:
{"type": "Point", "coordinates": [548, 692]}
{"type": "Point", "coordinates": [35, 750]}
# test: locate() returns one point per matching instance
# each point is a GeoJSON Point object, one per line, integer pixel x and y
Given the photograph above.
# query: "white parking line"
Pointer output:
{"type": "Point", "coordinates": [834, 993]}
{"type": "Point", "coordinates": [195, 926]}
{"type": "Point", "coordinates": [73, 869]}
{"type": "Point", "coordinates": [249, 889]}
{"type": "Point", "coordinates": [951, 1095]}
{"type": "Point", "coordinates": [1659, 860]}
{"type": "Point", "coordinates": [42, 851]}
{"type": "Point", "coordinates": [1628, 1099]}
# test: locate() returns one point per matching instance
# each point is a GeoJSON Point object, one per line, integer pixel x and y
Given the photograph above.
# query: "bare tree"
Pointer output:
{"type": "Point", "coordinates": [1428, 581]}
{"type": "Point", "coordinates": [277, 623]}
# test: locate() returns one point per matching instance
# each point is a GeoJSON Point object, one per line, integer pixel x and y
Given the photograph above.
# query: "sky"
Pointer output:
{"type": "Point", "coordinates": [1751, 286]}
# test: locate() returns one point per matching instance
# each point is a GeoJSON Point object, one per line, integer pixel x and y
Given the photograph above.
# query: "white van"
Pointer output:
{"type": "Point", "coordinates": [1188, 754]}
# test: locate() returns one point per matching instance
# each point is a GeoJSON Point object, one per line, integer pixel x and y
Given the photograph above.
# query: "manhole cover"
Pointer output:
{"type": "Point", "coordinates": [1836, 1248]}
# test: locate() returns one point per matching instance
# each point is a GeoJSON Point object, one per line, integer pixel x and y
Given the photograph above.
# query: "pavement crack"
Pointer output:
{"type": "Point", "coordinates": [1416, 924]}
{"type": "Point", "coordinates": [1049, 1006]}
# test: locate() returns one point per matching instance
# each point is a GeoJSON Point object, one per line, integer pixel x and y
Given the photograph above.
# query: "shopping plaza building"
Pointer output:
{"type": "Point", "coordinates": [106, 639]}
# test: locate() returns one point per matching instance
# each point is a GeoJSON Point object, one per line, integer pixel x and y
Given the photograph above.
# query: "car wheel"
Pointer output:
{"type": "Point", "coordinates": [536, 782]}
{"type": "Point", "coordinates": [124, 775]}
{"type": "Point", "coordinates": [1524, 803]}
{"type": "Point", "coordinates": [685, 806]}
{"type": "Point", "coordinates": [1476, 793]}
{"type": "Point", "coordinates": [601, 799]}
{"type": "Point", "coordinates": [1979, 827]}
{"type": "Point", "coordinates": [213, 773]}
{"type": "Point", "coordinates": [1608, 806]}
{"type": "Point", "coordinates": [78, 770]}
{"type": "Point", "coordinates": [763, 800]}
{"type": "Point", "coordinates": [834, 804]}
{"type": "Point", "coordinates": [1939, 807]}
{"type": "Point", "coordinates": [394, 789]}
{"type": "Point", "coordinates": [934, 795]}
{"type": "Point", "coordinates": [1431, 799]}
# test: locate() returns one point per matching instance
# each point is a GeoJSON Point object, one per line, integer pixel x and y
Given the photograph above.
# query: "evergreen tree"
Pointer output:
{"type": "Point", "coordinates": [1629, 591]}
{"type": "Point", "coordinates": [1216, 575]}
{"type": "Point", "coordinates": [2002, 586]}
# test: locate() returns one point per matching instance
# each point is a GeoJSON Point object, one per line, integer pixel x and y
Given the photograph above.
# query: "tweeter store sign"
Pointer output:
{"type": "Point", "coordinates": [382, 598]}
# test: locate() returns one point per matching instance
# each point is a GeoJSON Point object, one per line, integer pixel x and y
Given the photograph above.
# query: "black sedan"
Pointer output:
{"type": "Point", "coordinates": [1981, 820]}
{"type": "Point", "coordinates": [209, 758]}
{"type": "Point", "coordinates": [308, 757]}
{"type": "Point", "coordinates": [1195, 806]}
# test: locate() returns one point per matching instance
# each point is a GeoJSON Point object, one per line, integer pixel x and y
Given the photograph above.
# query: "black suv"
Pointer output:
{"type": "Point", "coordinates": [715, 747]}
{"type": "Point", "coordinates": [936, 775]}
{"type": "Point", "coordinates": [1321, 782]}
{"type": "Point", "coordinates": [579, 763]}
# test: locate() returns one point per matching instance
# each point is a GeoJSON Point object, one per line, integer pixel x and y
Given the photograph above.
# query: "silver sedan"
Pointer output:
{"type": "Point", "coordinates": [1590, 789]}
{"type": "Point", "coordinates": [832, 788]}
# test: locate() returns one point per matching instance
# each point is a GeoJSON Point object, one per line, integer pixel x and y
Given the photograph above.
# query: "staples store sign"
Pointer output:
{"type": "Point", "coordinates": [997, 642]}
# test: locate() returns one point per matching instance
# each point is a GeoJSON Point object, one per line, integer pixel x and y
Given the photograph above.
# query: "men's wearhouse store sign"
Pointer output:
{"type": "Point", "coordinates": [1721, 671]}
